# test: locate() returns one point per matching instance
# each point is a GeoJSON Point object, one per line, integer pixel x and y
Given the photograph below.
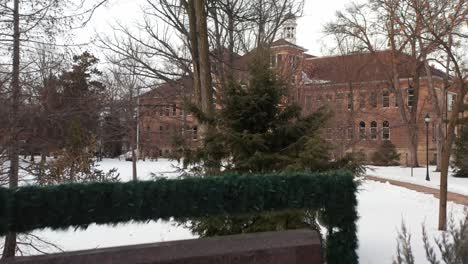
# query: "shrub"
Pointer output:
{"type": "Point", "coordinates": [78, 205]}
{"type": "Point", "coordinates": [386, 155]}
{"type": "Point", "coordinates": [461, 154]}
{"type": "Point", "coordinates": [453, 245]}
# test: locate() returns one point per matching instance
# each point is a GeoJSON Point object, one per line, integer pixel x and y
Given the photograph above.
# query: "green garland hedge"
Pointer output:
{"type": "Point", "coordinates": [78, 205]}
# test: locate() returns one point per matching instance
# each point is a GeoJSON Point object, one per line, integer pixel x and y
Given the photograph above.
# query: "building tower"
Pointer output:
{"type": "Point", "coordinates": [289, 28]}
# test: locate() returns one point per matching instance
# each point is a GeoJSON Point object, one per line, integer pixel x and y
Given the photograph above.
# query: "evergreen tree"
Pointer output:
{"type": "Point", "coordinates": [256, 131]}
{"type": "Point", "coordinates": [386, 155]}
{"type": "Point", "coordinates": [460, 162]}
{"type": "Point", "coordinates": [80, 97]}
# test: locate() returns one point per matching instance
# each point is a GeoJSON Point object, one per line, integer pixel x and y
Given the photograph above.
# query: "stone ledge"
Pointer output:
{"type": "Point", "coordinates": [285, 247]}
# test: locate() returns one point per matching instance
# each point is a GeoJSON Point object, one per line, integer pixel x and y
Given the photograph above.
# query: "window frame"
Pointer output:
{"type": "Point", "coordinates": [385, 130]}
{"type": "Point", "coordinates": [373, 130]}
{"type": "Point", "coordinates": [410, 96]}
{"type": "Point", "coordinates": [385, 99]}
{"type": "Point", "coordinates": [362, 130]}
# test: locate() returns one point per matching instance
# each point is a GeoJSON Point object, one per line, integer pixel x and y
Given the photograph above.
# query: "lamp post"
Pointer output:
{"type": "Point", "coordinates": [427, 120]}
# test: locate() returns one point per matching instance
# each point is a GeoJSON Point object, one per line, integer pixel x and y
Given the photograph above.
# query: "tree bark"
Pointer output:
{"type": "Point", "coordinates": [206, 86]}
{"type": "Point", "coordinates": [438, 112]}
{"type": "Point", "coordinates": [193, 40]}
{"type": "Point", "coordinates": [446, 151]}
{"type": "Point", "coordinates": [10, 239]}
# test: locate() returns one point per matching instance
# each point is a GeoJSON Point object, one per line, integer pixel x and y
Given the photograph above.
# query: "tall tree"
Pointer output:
{"type": "Point", "coordinates": [28, 22]}
{"type": "Point", "coordinates": [426, 31]}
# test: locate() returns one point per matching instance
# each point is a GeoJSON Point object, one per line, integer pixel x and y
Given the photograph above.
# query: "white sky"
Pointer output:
{"type": "Point", "coordinates": [309, 32]}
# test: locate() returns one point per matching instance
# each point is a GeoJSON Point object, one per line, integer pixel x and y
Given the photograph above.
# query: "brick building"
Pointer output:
{"type": "Point", "coordinates": [357, 88]}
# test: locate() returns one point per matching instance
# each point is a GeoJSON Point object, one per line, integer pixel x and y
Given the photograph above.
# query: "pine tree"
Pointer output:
{"type": "Point", "coordinates": [256, 131]}
{"type": "Point", "coordinates": [80, 97]}
{"type": "Point", "coordinates": [460, 162]}
{"type": "Point", "coordinates": [386, 155]}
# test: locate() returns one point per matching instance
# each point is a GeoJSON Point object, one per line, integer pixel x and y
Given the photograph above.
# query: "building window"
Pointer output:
{"type": "Point", "coordinates": [195, 132]}
{"type": "Point", "coordinates": [350, 132]}
{"type": "Point", "coordinates": [174, 110]}
{"type": "Point", "coordinates": [451, 99]}
{"type": "Point", "coordinates": [350, 101]}
{"type": "Point", "coordinates": [339, 102]}
{"type": "Point", "coordinates": [362, 100]}
{"type": "Point", "coordinates": [319, 101]}
{"type": "Point", "coordinates": [308, 103]}
{"type": "Point", "coordinates": [386, 130]}
{"type": "Point", "coordinates": [167, 110]}
{"type": "Point", "coordinates": [362, 130]}
{"type": "Point", "coordinates": [373, 130]}
{"type": "Point", "coordinates": [410, 96]}
{"type": "Point", "coordinates": [295, 62]}
{"type": "Point", "coordinates": [385, 99]}
{"type": "Point", "coordinates": [273, 61]}
{"type": "Point", "coordinates": [161, 110]}
{"type": "Point", "coordinates": [329, 98]}
{"type": "Point", "coordinates": [279, 59]}
{"type": "Point", "coordinates": [373, 99]}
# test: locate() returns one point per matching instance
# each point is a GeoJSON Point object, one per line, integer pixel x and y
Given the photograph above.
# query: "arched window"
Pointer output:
{"type": "Point", "coordinates": [386, 130]}
{"type": "Point", "coordinates": [386, 99]}
{"type": "Point", "coordinates": [373, 130]}
{"type": "Point", "coordinates": [362, 130]}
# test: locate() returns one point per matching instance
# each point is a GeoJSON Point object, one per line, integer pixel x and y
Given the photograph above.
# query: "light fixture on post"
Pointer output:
{"type": "Point", "coordinates": [427, 120]}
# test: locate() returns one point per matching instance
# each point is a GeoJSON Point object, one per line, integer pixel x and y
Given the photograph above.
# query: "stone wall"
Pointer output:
{"type": "Point", "coordinates": [286, 247]}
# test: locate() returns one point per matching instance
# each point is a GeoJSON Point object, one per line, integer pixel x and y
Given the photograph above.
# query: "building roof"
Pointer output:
{"type": "Point", "coordinates": [284, 43]}
{"type": "Point", "coordinates": [289, 15]}
{"type": "Point", "coordinates": [171, 90]}
{"type": "Point", "coordinates": [359, 67]}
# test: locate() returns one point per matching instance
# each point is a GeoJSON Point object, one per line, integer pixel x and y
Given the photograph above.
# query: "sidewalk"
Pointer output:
{"type": "Point", "coordinates": [453, 197]}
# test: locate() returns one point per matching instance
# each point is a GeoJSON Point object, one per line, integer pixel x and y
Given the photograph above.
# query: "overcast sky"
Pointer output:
{"type": "Point", "coordinates": [310, 25]}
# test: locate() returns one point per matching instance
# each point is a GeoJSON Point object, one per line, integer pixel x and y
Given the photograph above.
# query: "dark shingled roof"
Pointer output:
{"type": "Point", "coordinates": [283, 42]}
{"type": "Point", "coordinates": [360, 67]}
{"type": "Point", "coordinates": [171, 90]}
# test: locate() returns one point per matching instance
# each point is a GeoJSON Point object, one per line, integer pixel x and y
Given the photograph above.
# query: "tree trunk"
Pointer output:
{"type": "Point", "coordinates": [10, 239]}
{"type": "Point", "coordinates": [193, 40]}
{"type": "Point", "coordinates": [413, 147]}
{"type": "Point", "coordinates": [134, 164]}
{"type": "Point", "coordinates": [134, 153]}
{"type": "Point", "coordinates": [446, 151]}
{"type": "Point", "coordinates": [206, 86]}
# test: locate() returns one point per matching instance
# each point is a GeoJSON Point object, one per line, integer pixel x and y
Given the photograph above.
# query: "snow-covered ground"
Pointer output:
{"type": "Point", "coordinates": [456, 185]}
{"type": "Point", "coordinates": [145, 169]}
{"type": "Point", "coordinates": [382, 207]}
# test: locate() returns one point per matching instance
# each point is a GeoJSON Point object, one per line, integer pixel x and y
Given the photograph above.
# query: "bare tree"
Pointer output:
{"type": "Point", "coordinates": [425, 31]}
{"type": "Point", "coordinates": [125, 83]}
{"type": "Point", "coordinates": [445, 24]}
{"type": "Point", "coordinates": [26, 22]}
